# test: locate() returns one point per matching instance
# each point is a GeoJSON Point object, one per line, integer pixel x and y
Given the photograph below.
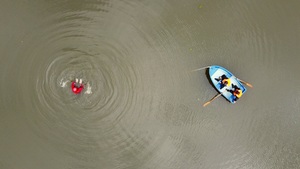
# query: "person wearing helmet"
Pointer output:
{"type": "Point", "coordinates": [77, 86]}
{"type": "Point", "coordinates": [224, 81]}
{"type": "Point", "coordinates": [236, 92]}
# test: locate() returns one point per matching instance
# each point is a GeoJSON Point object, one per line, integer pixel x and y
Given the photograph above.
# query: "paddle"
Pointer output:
{"type": "Point", "coordinates": [201, 68]}
{"type": "Point", "coordinates": [207, 103]}
{"type": "Point", "coordinates": [248, 84]}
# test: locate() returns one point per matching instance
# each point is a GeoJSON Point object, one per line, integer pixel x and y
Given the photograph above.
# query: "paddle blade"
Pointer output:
{"type": "Point", "coordinates": [248, 84]}
{"type": "Point", "coordinates": [207, 103]}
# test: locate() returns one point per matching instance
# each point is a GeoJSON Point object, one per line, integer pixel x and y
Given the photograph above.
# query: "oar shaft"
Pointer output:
{"type": "Point", "coordinates": [248, 84]}
{"type": "Point", "coordinates": [207, 103]}
{"type": "Point", "coordinates": [201, 68]}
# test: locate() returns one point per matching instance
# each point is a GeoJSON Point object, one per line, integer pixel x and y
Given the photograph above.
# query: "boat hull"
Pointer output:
{"type": "Point", "coordinates": [215, 72]}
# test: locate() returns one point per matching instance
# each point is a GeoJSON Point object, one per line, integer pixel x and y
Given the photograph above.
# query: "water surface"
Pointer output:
{"type": "Point", "coordinates": [142, 107]}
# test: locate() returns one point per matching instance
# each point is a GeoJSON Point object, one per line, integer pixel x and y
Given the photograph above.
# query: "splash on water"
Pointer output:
{"type": "Point", "coordinates": [64, 82]}
{"type": "Point", "coordinates": [88, 89]}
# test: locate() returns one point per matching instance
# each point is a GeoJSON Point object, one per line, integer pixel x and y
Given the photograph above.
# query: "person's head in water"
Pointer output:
{"type": "Point", "coordinates": [77, 86]}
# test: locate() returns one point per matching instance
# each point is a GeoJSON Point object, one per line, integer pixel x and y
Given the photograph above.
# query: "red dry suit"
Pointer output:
{"type": "Point", "coordinates": [76, 89]}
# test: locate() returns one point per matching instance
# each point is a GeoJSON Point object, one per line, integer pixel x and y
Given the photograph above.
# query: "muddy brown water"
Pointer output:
{"type": "Point", "coordinates": [142, 105]}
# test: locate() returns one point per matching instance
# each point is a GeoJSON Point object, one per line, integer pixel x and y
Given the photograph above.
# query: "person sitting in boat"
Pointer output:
{"type": "Point", "coordinates": [236, 92]}
{"type": "Point", "coordinates": [225, 81]}
{"type": "Point", "coordinates": [77, 86]}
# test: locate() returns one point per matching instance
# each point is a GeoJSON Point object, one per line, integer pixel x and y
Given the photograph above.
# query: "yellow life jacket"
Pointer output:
{"type": "Point", "coordinates": [238, 93]}
{"type": "Point", "coordinates": [226, 80]}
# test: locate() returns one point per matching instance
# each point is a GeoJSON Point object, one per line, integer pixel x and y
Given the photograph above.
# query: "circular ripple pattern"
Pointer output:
{"type": "Point", "coordinates": [118, 56]}
{"type": "Point", "coordinates": [139, 108]}
{"type": "Point", "coordinates": [67, 50]}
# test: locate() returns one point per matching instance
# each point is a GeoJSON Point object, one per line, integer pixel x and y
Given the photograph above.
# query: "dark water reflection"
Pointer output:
{"type": "Point", "coordinates": [142, 104]}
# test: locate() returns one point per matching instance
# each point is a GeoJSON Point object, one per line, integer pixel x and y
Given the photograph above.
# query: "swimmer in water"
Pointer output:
{"type": "Point", "coordinates": [77, 86]}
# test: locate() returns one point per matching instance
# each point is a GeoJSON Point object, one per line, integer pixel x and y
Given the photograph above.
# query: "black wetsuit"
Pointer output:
{"type": "Point", "coordinates": [222, 85]}
{"type": "Point", "coordinates": [235, 87]}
